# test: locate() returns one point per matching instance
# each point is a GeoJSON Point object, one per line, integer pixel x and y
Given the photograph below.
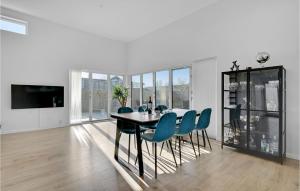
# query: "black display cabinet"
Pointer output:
{"type": "Point", "coordinates": [254, 111]}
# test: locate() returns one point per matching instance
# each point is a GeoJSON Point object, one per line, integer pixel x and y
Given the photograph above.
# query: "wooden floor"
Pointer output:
{"type": "Point", "coordinates": [81, 158]}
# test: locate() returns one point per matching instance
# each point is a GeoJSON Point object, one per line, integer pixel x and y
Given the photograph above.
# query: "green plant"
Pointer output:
{"type": "Point", "coordinates": [120, 93]}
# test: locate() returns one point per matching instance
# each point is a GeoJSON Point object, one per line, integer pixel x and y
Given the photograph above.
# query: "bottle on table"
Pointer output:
{"type": "Point", "coordinates": [149, 105]}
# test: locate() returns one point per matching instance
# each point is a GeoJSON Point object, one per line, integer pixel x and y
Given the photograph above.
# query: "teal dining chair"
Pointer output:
{"type": "Point", "coordinates": [129, 128]}
{"type": "Point", "coordinates": [161, 108]}
{"type": "Point", "coordinates": [164, 131]}
{"type": "Point", "coordinates": [185, 128]}
{"type": "Point", "coordinates": [202, 125]}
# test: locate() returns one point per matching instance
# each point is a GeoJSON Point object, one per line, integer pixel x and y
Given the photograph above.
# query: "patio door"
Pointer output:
{"type": "Point", "coordinates": [94, 96]}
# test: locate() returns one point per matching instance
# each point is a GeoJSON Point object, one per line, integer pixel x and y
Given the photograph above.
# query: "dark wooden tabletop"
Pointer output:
{"type": "Point", "coordinates": [141, 118]}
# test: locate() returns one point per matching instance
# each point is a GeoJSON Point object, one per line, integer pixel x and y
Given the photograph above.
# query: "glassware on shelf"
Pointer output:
{"type": "Point", "coordinates": [233, 86]}
{"type": "Point", "coordinates": [265, 146]}
{"type": "Point", "coordinates": [274, 145]}
{"type": "Point", "coordinates": [236, 141]}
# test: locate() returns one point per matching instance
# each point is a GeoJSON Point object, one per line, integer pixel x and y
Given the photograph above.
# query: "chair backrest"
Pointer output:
{"type": "Point", "coordinates": [188, 122]}
{"type": "Point", "coordinates": [165, 127]}
{"type": "Point", "coordinates": [125, 110]}
{"type": "Point", "coordinates": [204, 119]}
{"type": "Point", "coordinates": [122, 124]}
{"type": "Point", "coordinates": [235, 113]}
{"type": "Point", "coordinates": [161, 108]}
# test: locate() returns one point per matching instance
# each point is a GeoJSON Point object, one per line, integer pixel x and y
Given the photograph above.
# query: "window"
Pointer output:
{"type": "Point", "coordinates": [115, 80]}
{"type": "Point", "coordinates": [162, 88]}
{"type": "Point", "coordinates": [135, 91]}
{"type": "Point", "coordinates": [181, 88]}
{"type": "Point", "coordinates": [13, 25]}
{"type": "Point", "coordinates": [148, 88]}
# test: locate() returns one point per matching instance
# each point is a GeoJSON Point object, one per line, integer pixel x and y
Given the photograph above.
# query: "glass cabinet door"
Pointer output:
{"type": "Point", "coordinates": [264, 111]}
{"type": "Point", "coordinates": [234, 111]}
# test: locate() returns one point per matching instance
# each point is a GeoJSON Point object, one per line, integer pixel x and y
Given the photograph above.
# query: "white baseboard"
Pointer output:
{"type": "Point", "coordinates": [4, 132]}
{"type": "Point", "coordinates": [292, 156]}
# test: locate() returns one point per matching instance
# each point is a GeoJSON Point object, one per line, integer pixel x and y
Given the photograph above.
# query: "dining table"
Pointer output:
{"type": "Point", "coordinates": [139, 119]}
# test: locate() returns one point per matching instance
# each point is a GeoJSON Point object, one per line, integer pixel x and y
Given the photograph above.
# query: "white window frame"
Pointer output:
{"type": "Point", "coordinates": [15, 21]}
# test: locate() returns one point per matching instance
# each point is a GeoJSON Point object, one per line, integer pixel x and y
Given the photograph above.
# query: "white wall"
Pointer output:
{"type": "Point", "coordinates": [44, 57]}
{"type": "Point", "coordinates": [229, 30]}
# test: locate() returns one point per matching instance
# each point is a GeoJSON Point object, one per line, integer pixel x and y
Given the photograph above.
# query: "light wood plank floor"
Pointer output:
{"type": "Point", "coordinates": [81, 158]}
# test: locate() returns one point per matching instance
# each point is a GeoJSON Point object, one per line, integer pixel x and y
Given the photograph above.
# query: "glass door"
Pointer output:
{"type": "Point", "coordinates": [264, 111]}
{"type": "Point", "coordinates": [94, 96]}
{"type": "Point", "coordinates": [235, 109]}
{"type": "Point", "coordinates": [99, 96]}
{"type": "Point", "coordinates": [85, 96]}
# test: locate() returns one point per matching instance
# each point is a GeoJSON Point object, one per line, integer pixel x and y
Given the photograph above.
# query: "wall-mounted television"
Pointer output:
{"type": "Point", "coordinates": [36, 96]}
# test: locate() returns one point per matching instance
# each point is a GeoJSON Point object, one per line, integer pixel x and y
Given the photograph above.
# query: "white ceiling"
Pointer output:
{"type": "Point", "coordinates": [124, 20]}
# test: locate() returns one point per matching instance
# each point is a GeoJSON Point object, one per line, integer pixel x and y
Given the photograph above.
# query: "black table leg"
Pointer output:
{"type": "Point", "coordinates": [139, 150]}
{"type": "Point", "coordinates": [117, 142]}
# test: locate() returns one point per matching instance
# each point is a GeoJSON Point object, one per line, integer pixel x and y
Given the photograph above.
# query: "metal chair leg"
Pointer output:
{"type": "Point", "coordinates": [155, 145]}
{"type": "Point", "coordinates": [193, 144]}
{"type": "Point", "coordinates": [134, 141]}
{"type": "Point", "coordinates": [147, 148]}
{"type": "Point", "coordinates": [179, 149]}
{"type": "Point", "coordinates": [135, 160]}
{"type": "Point", "coordinates": [203, 137]}
{"type": "Point", "coordinates": [198, 143]}
{"type": "Point", "coordinates": [170, 143]}
{"type": "Point", "coordinates": [129, 148]}
{"type": "Point", "coordinates": [162, 146]}
{"type": "Point", "coordinates": [208, 140]}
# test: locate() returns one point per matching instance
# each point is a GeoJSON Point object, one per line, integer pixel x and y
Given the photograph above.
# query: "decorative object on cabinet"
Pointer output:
{"type": "Point", "coordinates": [235, 66]}
{"type": "Point", "coordinates": [254, 111]}
{"type": "Point", "coordinates": [262, 58]}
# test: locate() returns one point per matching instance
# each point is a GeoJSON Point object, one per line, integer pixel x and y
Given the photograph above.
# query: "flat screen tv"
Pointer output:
{"type": "Point", "coordinates": [35, 96]}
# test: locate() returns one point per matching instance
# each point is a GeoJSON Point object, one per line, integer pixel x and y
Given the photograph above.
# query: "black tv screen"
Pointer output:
{"type": "Point", "coordinates": [34, 96]}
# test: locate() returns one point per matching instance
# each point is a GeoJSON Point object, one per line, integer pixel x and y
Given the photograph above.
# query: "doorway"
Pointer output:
{"type": "Point", "coordinates": [204, 90]}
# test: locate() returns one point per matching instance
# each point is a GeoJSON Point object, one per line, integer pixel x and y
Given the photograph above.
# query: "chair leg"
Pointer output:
{"type": "Point", "coordinates": [208, 140]}
{"type": "Point", "coordinates": [162, 146]}
{"type": "Point", "coordinates": [135, 160]}
{"type": "Point", "coordinates": [193, 144]}
{"type": "Point", "coordinates": [167, 145]}
{"type": "Point", "coordinates": [198, 143]}
{"type": "Point", "coordinates": [147, 148]}
{"type": "Point", "coordinates": [203, 137]}
{"type": "Point", "coordinates": [155, 154]}
{"type": "Point", "coordinates": [129, 148]}
{"type": "Point", "coordinates": [134, 141]}
{"type": "Point", "coordinates": [179, 149]}
{"type": "Point", "coordinates": [170, 143]}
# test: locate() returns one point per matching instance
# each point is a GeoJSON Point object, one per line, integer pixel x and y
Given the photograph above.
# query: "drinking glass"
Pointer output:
{"type": "Point", "coordinates": [144, 107]}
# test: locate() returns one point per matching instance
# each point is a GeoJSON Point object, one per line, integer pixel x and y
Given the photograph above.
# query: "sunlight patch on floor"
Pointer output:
{"type": "Point", "coordinates": [102, 135]}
